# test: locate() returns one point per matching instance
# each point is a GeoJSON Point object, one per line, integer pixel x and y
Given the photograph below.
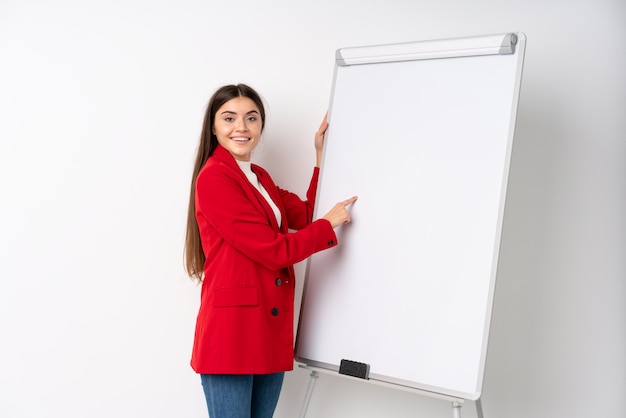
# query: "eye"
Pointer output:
{"type": "Point", "coordinates": [252, 118]}
{"type": "Point", "coordinates": [229, 119]}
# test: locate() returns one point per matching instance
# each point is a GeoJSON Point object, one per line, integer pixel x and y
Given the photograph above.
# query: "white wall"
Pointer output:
{"type": "Point", "coordinates": [100, 111]}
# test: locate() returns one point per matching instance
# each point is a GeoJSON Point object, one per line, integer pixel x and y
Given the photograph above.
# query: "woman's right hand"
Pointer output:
{"type": "Point", "coordinates": [339, 213]}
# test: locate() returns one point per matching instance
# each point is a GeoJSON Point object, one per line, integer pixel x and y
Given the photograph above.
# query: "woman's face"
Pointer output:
{"type": "Point", "coordinates": [238, 127]}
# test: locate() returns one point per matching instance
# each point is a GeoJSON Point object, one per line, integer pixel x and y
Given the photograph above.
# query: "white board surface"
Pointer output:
{"type": "Point", "coordinates": [425, 142]}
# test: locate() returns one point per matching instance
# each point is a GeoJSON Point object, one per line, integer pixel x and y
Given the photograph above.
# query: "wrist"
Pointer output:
{"type": "Point", "coordinates": [318, 158]}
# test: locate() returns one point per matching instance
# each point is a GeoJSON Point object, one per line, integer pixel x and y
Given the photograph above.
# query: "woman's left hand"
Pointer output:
{"type": "Point", "coordinates": [319, 139]}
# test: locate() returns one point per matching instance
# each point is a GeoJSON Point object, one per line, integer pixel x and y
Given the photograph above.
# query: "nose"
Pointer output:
{"type": "Point", "coordinates": [241, 125]}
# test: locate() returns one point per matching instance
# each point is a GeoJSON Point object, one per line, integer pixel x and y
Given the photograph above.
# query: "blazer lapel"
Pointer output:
{"type": "Point", "coordinates": [255, 195]}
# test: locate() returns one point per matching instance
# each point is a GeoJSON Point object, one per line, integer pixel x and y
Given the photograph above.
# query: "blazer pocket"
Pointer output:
{"type": "Point", "coordinates": [236, 296]}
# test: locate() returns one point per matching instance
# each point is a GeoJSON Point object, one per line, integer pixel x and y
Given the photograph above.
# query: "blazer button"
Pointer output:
{"type": "Point", "coordinates": [278, 282]}
{"type": "Point", "coordinates": [275, 311]}
{"type": "Point", "coordinates": [331, 242]}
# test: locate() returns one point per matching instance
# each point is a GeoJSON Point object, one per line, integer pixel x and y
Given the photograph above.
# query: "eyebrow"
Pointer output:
{"type": "Point", "coordinates": [230, 112]}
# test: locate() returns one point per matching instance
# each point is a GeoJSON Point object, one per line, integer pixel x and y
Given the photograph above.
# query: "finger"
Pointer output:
{"type": "Point", "coordinates": [324, 124]}
{"type": "Point", "coordinates": [324, 121]}
{"type": "Point", "coordinates": [349, 201]}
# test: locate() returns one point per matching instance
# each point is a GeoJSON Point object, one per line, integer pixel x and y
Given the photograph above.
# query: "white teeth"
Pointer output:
{"type": "Point", "coordinates": [240, 139]}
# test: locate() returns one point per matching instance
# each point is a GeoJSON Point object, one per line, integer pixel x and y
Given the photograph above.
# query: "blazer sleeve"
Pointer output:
{"type": "Point", "coordinates": [300, 213]}
{"type": "Point", "coordinates": [223, 205]}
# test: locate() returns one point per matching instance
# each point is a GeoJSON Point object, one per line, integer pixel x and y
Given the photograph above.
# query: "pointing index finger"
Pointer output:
{"type": "Point", "coordinates": [350, 201]}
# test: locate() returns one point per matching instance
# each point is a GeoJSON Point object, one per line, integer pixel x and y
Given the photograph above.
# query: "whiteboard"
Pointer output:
{"type": "Point", "coordinates": [422, 132]}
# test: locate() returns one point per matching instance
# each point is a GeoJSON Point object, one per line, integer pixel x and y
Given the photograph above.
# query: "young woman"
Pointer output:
{"type": "Point", "coordinates": [244, 234]}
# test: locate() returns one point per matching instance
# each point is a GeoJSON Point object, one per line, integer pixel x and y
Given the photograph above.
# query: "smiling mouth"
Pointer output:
{"type": "Point", "coordinates": [240, 139]}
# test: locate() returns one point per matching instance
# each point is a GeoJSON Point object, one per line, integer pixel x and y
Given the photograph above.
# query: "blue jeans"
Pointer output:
{"type": "Point", "coordinates": [242, 396]}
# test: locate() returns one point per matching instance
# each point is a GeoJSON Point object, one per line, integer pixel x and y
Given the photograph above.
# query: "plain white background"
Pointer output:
{"type": "Point", "coordinates": [100, 111]}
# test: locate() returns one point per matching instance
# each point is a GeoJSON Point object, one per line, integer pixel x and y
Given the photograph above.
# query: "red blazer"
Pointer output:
{"type": "Point", "coordinates": [246, 319]}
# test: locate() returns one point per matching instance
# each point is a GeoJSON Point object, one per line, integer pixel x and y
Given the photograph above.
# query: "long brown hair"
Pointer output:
{"type": "Point", "coordinates": [194, 254]}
